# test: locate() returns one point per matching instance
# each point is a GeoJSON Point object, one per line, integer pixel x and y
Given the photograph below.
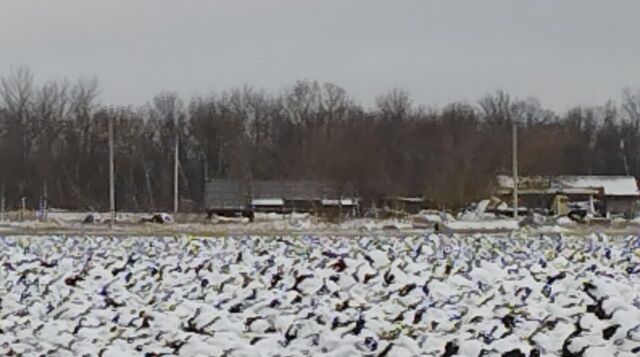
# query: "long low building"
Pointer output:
{"type": "Point", "coordinates": [598, 194]}
{"type": "Point", "coordinates": [232, 197]}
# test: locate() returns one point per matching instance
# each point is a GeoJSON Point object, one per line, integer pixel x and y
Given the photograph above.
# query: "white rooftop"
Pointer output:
{"type": "Point", "coordinates": [611, 185]}
{"type": "Point", "coordinates": [340, 202]}
{"type": "Point", "coordinates": [267, 202]}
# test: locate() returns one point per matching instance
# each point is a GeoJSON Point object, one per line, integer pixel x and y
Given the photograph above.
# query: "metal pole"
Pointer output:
{"type": "Point", "coordinates": [45, 207]}
{"type": "Point", "coordinates": [205, 170]}
{"type": "Point", "coordinates": [515, 168]}
{"type": "Point", "coordinates": [23, 208]}
{"type": "Point", "coordinates": [112, 191]}
{"type": "Point", "coordinates": [205, 173]}
{"type": "Point", "coordinates": [3, 203]}
{"type": "Point", "coordinates": [175, 171]}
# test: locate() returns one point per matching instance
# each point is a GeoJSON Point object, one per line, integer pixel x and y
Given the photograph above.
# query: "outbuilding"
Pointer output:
{"type": "Point", "coordinates": [599, 195]}
{"type": "Point", "coordinates": [279, 196]}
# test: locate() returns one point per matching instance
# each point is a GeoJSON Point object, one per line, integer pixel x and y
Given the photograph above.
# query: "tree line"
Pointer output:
{"type": "Point", "coordinates": [54, 142]}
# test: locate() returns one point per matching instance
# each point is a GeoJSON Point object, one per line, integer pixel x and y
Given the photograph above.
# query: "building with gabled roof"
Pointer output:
{"type": "Point", "coordinates": [605, 194]}
{"type": "Point", "coordinates": [282, 196]}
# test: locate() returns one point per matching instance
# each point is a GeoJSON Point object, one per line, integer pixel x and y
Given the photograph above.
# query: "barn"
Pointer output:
{"type": "Point", "coordinates": [599, 195]}
{"type": "Point", "coordinates": [225, 197]}
{"type": "Point", "coordinates": [279, 196]}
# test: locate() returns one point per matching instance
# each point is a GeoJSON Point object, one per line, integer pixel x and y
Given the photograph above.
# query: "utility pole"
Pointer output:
{"type": "Point", "coordinates": [176, 164]}
{"type": "Point", "coordinates": [2, 204]}
{"type": "Point", "coordinates": [205, 178]}
{"type": "Point", "coordinates": [624, 158]}
{"type": "Point", "coordinates": [45, 202]}
{"type": "Point", "coordinates": [514, 151]}
{"type": "Point", "coordinates": [205, 170]}
{"type": "Point", "coordinates": [23, 210]}
{"type": "Point", "coordinates": [112, 191]}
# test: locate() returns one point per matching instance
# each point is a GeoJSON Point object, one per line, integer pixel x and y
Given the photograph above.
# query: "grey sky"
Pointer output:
{"type": "Point", "coordinates": [565, 52]}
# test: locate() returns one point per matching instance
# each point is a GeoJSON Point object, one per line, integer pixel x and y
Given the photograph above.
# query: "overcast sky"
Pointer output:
{"type": "Point", "coordinates": [565, 52]}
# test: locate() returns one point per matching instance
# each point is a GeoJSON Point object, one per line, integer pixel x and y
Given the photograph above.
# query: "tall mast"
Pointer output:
{"type": "Point", "coordinates": [176, 164]}
{"type": "Point", "coordinates": [514, 151]}
{"type": "Point", "coordinates": [112, 191]}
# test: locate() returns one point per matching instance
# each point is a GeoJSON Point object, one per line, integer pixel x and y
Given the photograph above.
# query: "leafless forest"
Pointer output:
{"type": "Point", "coordinates": [53, 139]}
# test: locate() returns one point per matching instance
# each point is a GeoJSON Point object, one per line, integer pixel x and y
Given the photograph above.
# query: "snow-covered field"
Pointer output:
{"type": "Point", "coordinates": [142, 224]}
{"type": "Point", "coordinates": [431, 295]}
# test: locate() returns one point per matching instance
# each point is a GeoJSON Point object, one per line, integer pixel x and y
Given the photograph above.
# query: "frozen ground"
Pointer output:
{"type": "Point", "coordinates": [422, 295]}
{"type": "Point", "coordinates": [71, 223]}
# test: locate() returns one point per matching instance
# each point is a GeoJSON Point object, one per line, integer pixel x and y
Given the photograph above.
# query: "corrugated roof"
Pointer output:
{"type": "Point", "coordinates": [232, 194]}
{"type": "Point", "coordinates": [551, 191]}
{"type": "Point", "coordinates": [613, 185]}
{"type": "Point", "coordinates": [303, 190]}
{"type": "Point", "coordinates": [267, 202]}
{"type": "Point", "coordinates": [610, 185]}
{"type": "Point", "coordinates": [408, 199]}
{"type": "Point", "coordinates": [340, 202]}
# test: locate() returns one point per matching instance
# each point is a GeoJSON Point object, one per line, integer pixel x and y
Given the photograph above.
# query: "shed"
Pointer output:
{"type": "Point", "coordinates": [301, 195]}
{"type": "Point", "coordinates": [403, 204]}
{"type": "Point", "coordinates": [226, 197]}
{"type": "Point", "coordinates": [233, 196]}
{"type": "Point", "coordinates": [267, 204]}
{"type": "Point", "coordinates": [603, 194]}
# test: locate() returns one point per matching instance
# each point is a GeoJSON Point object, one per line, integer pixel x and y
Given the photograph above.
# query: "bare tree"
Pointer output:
{"type": "Point", "coordinates": [631, 105]}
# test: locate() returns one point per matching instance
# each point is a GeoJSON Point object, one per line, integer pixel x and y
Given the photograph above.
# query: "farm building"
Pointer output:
{"type": "Point", "coordinates": [226, 197]}
{"type": "Point", "coordinates": [599, 195]}
{"type": "Point", "coordinates": [234, 196]}
{"type": "Point", "coordinates": [396, 205]}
